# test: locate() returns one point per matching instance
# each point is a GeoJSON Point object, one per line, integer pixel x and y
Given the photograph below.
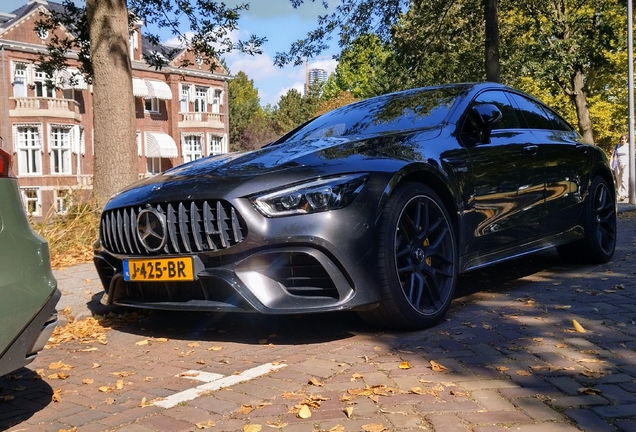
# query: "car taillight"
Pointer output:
{"type": "Point", "coordinates": [5, 164]}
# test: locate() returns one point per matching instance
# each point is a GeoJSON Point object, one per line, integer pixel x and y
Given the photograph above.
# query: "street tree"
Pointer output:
{"type": "Point", "coordinates": [354, 18]}
{"type": "Point", "coordinates": [575, 46]}
{"type": "Point", "coordinates": [243, 105]}
{"type": "Point", "coordinates": [98, 33]}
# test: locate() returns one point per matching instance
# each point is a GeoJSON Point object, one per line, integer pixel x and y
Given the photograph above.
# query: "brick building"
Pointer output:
{"type": "Point", "coordinates": [181, 113]}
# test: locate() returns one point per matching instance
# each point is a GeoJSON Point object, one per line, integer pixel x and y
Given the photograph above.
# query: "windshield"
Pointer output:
{"type": "Point", "coordinates": [419, 108]}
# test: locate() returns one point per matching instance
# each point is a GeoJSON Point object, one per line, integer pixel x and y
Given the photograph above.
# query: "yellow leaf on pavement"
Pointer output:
{"type": "Point", "coordinates": [337, 428]}
{"type": "Point", "coordinates": [437, 367]}
{"type": "Point", "coordinates": [348, 411]}
{"type": "Point", "coordinates": [142, 342]}
{"type": "Point", "coordinates": [60, 365]}
{"type": "Point", "coordinates": [215, 348]}
{"type": "Point", "coordinates": [314, 381]}
{"type": "Point", "coordinates": [578, 327]}
{"type": "Point", "coordinates": [144, 404]}
{"type": "Point", "coordinates": [376, 427]}
{"type": "Point", "coordinates": [589, 391]}
{"type": "Point", "coordinates": [246, 409]}
{"type": "Point", "coordinates": [304, 412]}
{"type": "Point", "coordinates": [205, 424]}
{"type": "Point", "coordinates": [276, 425]}
{"type": "Point", "coordinates": [119, 385]}
{"type": "Point", "coordinates": [356, 376]}
{"type": "Point", "coordinates": [57, 395]}
{"type": "Point", "coordinates": [252, 428]}
{"type": "Point", "coordinates": [193, 344]}
{"type": "Point", "coordinates": [405, 365]}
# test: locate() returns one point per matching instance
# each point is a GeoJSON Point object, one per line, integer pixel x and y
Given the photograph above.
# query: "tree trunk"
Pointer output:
{"type": "Point", "coordinates": [492, 41]}
{"type": "Point", "coordinates": [579, 97]}
{"type": "Point", "coordinates": [114, 131]}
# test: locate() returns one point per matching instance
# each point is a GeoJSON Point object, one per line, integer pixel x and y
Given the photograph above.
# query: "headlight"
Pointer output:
{"type": "Point", "coordinates": [315, 196]}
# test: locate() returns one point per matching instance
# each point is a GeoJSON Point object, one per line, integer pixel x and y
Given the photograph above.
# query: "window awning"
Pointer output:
{"type": "Point", "coordinates": [72, 79]}
{"type": "Point", "coordinates": [139, 88]}
{"type": "Point", "coordinates": [160, 144]}
{"type": "Point", "coordinates": [158, 89]}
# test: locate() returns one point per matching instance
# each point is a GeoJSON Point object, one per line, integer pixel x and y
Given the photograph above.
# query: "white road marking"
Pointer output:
{"type": "Point", "coordinates": [214, 381]}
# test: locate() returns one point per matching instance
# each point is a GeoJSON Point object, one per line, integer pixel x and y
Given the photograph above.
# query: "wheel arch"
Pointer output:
{"type": "Point", "coordinates": [443, 191]}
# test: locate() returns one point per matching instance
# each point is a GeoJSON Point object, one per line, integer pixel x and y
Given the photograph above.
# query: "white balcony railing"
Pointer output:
{"type": "Point", "coordinates": [202, 117]}
{"type": "Point", "coordinates": [41, 106]}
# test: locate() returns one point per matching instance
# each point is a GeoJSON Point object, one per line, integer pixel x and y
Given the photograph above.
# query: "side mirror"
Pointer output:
{"type": "Point", "coordinates": [484, 117]}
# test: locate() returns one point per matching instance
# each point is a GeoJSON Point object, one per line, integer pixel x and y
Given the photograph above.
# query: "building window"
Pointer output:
{"type": "Point", "coordinates": [29, 150]}
{"type": "Point", "coordinates": [41, 89]}
{"type": "Point", "coordinates": [153, 165]}
{"type": "Point", "coordinates": [200, 99]}
{"type": "Point", "coordinates": [62, 201]}
{"type": "Point", "coordinates": [60, 146]}
{"type": "Point", "coordinates": [69, 94]}
{"type": "Point", "coordinates": [32, 201]}
{"type": "Point", "coordinates": [152, 105]}
{"type": "Point", "coordinates": [216, 144]}
{"type": "Point", "coordinates": [20, 80]}
{"type": "Point", "coordinates": [184, 101]}
{"type": "Point", "coordinates": [216, 101]}
{"type": "Point", "coordinates": [192, 149]}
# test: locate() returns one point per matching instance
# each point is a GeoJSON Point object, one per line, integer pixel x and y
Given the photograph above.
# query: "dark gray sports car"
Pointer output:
{"type": "Point", "coordinates": [376, 207]}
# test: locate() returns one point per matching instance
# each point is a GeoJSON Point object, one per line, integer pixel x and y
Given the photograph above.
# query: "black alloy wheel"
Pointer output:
{"type": "Point", "coordinates": [599, 222]}
{"type": "Point", "coordinates": [417, 260]}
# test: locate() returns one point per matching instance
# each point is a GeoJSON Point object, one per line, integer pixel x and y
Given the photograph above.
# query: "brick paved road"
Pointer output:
{"type": "Point", "coordinates": [509, 360]}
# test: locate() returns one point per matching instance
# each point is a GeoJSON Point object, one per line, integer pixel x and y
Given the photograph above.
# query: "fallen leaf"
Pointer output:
{"type": "Point", "coordinates": [562, 307]}
{"type": "Point", "coordinates": [277, 425]}
{"type": "Point", "coordinates": [6, 398]}
{"type": "Point", "coordinates": [538, 339]}
{"type": "Point", "coordinates": [142, 342]}
{"type": "Point", "coordinates": [315, 382]}
{"type": "Point", "coordinates": [119, 385]}
{"type": "Point", "coordinates": [376, 427]}
{"type": "Point", "coordinates": [437, 367]}
{"type": "Point", "coordinates": [594, 374]}
{"type": "Point", "coordinates": [205, 424]}
{"type": "Point", "coordinates": [405, 365]}
{"type": "Point", "coordinates": [201, 362]}
{"type": "Point", "coordinates": [144, 404]}
{"type": "Point", "coordinates": [57, 395]}
{"type": "Point", "coordinates": [110, 401]}
{"type": "Point", "coordinates": [215, 348]}
{"type": "Point", "coordinates": [589, 391]}
{"type": "Point", "coordinates": [578, 327]}
{"type": "Point", "coordinates": [245, 409]}
{"type": "Point", "coordinates": [252, 428]}
{"type": "Point", "coordinates": [193, 344]}
{"type": "Point", "coordinates": [590, 360]}
{"type": "Point", "coordinates": [356, 376]}
{"type": "Point", "coordinates": [73, 429]}
{"type": "Point", "coordinates": [560, 345]}
{"type": "Point", "coordinates": [337, 428]}
{"type": "Point", "coordinates": [458, 393]}
{"type": "Point", "coordinates": [523, 373]}
{"type": "Point", "coordinates": [105, 389]}
{"type": "Point", "coordinates": [122, 374]}
{"type": "Point", "coordinates": [59, 375]}
{"type": "Point", "coordinates": [348, 411]}
{"type": "Point", "coordinates": [304, 412]}
{"type": "Point", "coordinates": [486, 326]}
{"type": "Point", "coordinates": [60, 365]}
{"type": "Point", "coordinates": [501, 368]}
{"type": "Point", "coordinates": [88, 381]}
{"type": "Point", "coordinates": [95, 366]}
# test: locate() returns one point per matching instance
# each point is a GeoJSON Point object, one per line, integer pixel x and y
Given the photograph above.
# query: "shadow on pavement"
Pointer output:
{"type": "Point", "coordinates": [22, 394]}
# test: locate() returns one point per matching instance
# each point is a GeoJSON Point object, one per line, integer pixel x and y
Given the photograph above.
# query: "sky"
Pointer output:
{"type": "Point", "coordinates": [281, 24]}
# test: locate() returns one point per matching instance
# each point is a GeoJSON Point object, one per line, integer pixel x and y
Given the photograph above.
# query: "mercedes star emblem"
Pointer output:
{"type": "Point", "coordinates": [151, 229]}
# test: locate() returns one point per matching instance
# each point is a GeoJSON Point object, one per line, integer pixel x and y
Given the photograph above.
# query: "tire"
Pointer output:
{"type": "Point", "coordinates": [599, 223]}
{"type": "Point", "coordinates": [417, 259]}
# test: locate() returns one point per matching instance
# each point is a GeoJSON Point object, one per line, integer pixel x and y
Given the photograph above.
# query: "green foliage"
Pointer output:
{"type": "Point", "coordinates": [293, 110]}
{"type": "Point", "coordinates": [244, 105]}
{"type": "Point", "coordinates": [360, 69]}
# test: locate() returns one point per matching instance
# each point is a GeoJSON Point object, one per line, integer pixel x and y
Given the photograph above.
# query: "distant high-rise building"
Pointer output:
{"type": "Point", "coordinates": [315, 75]}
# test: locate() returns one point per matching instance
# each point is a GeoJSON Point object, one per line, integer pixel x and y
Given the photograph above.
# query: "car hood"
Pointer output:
{"type": "Point", "coordinates": [241, 174]}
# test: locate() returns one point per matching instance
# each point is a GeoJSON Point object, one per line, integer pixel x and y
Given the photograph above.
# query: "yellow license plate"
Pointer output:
{"type": "Point", "coordinates": [158, 269]}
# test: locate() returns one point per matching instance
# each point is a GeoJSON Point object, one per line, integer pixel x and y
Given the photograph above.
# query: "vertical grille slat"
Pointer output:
{"type": "Point", "coordinates": [208, 225]}
{"type": "Point", "coordinates": [191, 227]}
{"type": "Point", "coordinates": [195, 226]}
{"type": "Point", "coordinates": [171, 222]}
{"type": "Point", "coordinates": [183, 227]}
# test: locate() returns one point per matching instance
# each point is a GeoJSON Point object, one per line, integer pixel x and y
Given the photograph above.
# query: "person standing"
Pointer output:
{"type": "Point", "coordinates": [620, 164]}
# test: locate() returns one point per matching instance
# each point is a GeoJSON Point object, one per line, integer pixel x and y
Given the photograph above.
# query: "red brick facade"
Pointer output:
{"type": "Point", "coordinates": [181, 114]}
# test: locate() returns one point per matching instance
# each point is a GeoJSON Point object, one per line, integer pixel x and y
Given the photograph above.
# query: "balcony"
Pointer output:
{"type": "Point", "coordinates": [201, 120]}
{"type": "Point", "coordinates": [45, 107]}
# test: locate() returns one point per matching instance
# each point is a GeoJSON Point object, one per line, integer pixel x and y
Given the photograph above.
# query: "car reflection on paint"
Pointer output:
{"type": "Point", "coordinates": [375, 207]}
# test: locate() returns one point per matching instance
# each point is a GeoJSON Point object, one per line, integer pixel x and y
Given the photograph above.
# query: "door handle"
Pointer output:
{"type": "Point", "coordinates": [531, 149]}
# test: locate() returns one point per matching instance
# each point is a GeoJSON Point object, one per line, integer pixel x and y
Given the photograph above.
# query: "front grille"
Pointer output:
{"type": "Point", "coordinates": [192, 226]}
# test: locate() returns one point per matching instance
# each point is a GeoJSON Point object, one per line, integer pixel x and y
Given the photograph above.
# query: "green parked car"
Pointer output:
{"type": "Point", "coordinates": [28, 290]}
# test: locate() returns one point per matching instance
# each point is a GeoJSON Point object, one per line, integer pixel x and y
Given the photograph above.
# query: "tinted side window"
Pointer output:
{"type": "Point", "coordinates": [509, 119]}
{"type": "Point", "coordinates": [532, 112]}
{"type": "Point", "coordinates": [557, 122]}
